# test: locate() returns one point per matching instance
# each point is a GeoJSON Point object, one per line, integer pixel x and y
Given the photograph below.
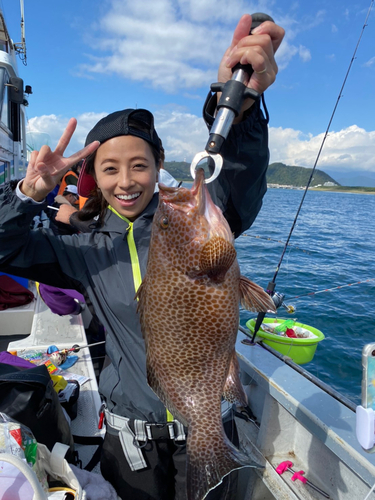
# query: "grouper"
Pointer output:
{"type": "Point", "coordinates": [189, 312]}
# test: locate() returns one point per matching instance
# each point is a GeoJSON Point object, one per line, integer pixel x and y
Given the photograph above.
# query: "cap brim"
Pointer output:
{"type": "Point", "coordinates": [86, 182]}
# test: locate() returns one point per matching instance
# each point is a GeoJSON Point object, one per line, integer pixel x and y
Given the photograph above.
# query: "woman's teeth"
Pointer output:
{"type": "Point", "coordinates": [127, 197]}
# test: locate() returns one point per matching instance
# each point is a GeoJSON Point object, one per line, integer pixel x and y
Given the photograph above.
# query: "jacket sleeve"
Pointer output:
{"type": "Point", "coordinates": [33, 254]}
{"type": "Point", "coordinates": [241, 185]}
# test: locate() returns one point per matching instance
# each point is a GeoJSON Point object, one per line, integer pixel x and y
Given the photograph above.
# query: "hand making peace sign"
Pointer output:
{"type": "Point", "coordinates": [46, 167]}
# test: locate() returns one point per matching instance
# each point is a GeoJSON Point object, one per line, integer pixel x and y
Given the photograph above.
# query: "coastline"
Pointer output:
{"type": "Point", "coordinates": [335, 189]}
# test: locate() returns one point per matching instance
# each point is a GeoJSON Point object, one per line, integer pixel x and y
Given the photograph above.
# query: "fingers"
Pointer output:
{"type": "Point", "coordinates": [275, 32]}
{"type": "Point", "coordinates": [64, 213]}
{"type": "Point", "coordinates": [65, 138]}
{"type": "Point", "coordinates": [258, 50]}
{"type": "Point", "coordinates": [33, 157]}
{"type": "Point", "coordinates": [83, 153]}
{"type": "Point", "coordinates": [242, 29]}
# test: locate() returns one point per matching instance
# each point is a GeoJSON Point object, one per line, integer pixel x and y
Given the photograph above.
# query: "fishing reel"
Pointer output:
{"type": "Point", "coordinates": [278, 300]}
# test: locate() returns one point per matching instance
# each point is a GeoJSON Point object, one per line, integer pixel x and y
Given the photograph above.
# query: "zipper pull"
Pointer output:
{"type": "Point", "coordinates": [101, 416]}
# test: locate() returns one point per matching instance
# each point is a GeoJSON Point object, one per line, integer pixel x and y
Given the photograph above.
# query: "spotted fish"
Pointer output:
{"type": "Point", "coordinates": [189, 313]}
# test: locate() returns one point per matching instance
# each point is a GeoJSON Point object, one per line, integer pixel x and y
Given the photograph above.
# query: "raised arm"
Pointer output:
{"type": "Point", "coordinates": [240, 187]}
{"type": "Point", "coordinates": [24, 252]}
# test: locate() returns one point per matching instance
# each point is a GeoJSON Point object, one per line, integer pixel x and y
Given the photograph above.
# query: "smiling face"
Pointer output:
{"type": "Point", "coordinates": [126, 174]}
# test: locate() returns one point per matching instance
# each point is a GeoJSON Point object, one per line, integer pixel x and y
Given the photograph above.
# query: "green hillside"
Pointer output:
{"type": "Point", "coordinates": [278, 173]}
{"type": "Point", "coordinates": [179, 169]}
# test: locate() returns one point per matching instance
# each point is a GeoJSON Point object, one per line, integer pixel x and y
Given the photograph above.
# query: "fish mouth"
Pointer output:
{"type": "Point", "coordinates": [198, 200]}
{"type": "Point", "coordinates": [218, 225]}
{"type": "Point", "coordinates": [199, 191]}
{"type": "Point", "coordinates": [184, 199]}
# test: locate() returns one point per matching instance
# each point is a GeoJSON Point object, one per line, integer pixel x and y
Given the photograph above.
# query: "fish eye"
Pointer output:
{"type": "Point", "coordinates": [164, 222]}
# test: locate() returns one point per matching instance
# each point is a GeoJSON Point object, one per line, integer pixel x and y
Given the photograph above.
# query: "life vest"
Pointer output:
{"type": "Point", "coordinates": [81, 201]}
{"type": "Point", "coordinates": [73, 179]}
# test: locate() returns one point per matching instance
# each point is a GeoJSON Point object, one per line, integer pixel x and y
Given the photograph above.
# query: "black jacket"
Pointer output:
{"type": "Point", "coordinates": [98, 264]}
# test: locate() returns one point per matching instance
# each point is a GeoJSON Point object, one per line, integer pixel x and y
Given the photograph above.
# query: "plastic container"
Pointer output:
{"type": "Point", "coordinates": [301, 350]}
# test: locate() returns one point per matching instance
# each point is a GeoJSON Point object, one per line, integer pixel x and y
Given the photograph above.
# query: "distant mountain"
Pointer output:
{"type": "Point", "coordinates": [277, 173]}
{"type": "Point", "coordinates": [179, 169]}
{"type": "Point", "coordinates": [286, 175]}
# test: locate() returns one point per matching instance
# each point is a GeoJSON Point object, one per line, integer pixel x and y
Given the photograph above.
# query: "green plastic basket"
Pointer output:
{"type": "Point", "coordinates": [301, 351]}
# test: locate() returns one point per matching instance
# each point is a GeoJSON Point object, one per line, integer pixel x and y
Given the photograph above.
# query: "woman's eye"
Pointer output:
{"type": "Point", "coordinates": [109, 169]}
{"type": "Point", "coordinates": [140, 166]}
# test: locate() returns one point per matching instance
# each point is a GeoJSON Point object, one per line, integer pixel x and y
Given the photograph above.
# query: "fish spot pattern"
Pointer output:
{"type": "Point", "coordinates": [189, 313]}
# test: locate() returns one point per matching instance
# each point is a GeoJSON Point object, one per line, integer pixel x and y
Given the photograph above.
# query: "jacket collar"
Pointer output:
{"type": "Point", "coordinates": [114, 223]}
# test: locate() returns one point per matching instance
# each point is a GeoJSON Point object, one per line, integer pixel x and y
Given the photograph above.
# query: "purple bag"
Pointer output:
{"type": "Point", "coordinates": [10, 359]}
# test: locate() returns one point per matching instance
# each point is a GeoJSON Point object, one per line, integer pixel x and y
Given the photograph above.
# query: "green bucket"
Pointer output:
{"type": "Point", "coordinates": [301, 350]}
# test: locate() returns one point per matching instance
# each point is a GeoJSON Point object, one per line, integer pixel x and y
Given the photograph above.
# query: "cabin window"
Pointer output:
{"type": "Point", "coordinates": [4, 171]}
{"type": "Point", "coordinates": [4, 97]}
{"type": "Point", "coordinates": [4, 45]}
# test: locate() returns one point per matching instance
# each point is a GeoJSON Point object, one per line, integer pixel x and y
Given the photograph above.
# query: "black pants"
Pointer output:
{"type": "Point", "coordinates": [165, 476]}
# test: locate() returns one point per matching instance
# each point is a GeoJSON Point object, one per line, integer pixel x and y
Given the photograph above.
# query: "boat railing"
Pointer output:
{"type": "Point", "coordinates": [305, 373]}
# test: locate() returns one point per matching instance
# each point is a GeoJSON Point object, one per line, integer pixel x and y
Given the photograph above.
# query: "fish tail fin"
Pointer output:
{"type": "Point", "coordinates": [207, 468]}
{"type": "Point", "coordinates": [254, 298]}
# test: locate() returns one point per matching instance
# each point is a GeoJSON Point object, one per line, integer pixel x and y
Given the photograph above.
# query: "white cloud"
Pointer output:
{"type": "Point", "coordinates": [349, 149]}
{"type": "Point", "coordinates": [184, 134]}
{"type": "Point", "coordinates": [159, 43]}
{"type": "Point", "coordinates": [370, 62]}
{"type": "Point", "coordinates": [51, 128]}
{"type": "Point", "coordinates": [173, 45]}
{"type": "Point", "coordinates": [304, 53]}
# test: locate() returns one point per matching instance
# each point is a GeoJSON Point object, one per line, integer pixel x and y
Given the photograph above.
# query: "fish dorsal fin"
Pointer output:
{"type": "Point", "coordinates": [216, 258]}
{"type": "Point", "coordinates": [254, 298]}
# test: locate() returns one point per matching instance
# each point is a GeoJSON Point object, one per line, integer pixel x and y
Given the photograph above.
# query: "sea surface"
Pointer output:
{"type": "Point", "coordinates": [332, 245]}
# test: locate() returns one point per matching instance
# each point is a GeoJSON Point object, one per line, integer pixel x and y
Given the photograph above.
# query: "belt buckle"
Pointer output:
{"type": "Point", "coordinates": [157, 431]}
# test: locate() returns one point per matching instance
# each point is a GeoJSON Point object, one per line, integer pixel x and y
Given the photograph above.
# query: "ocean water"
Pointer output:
{"type": "Point", "coordinates": [332, 245]}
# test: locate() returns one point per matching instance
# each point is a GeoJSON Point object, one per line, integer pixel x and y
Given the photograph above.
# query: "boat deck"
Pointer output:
{"type": "Point", "coordinates": [297, 421]}
{"type": "Point", "coordinates": [39, 330]}
{"type": "Point", "coordinates": [294, 419]}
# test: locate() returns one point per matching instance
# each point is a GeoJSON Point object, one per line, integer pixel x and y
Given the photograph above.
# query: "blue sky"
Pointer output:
{"type": "Point", "coordinates": [87, 58]}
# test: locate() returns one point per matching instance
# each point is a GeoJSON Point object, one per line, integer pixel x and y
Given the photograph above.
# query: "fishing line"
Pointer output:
{"type": "Point", "coordinates": [323, 142]}
{"type": "Point", "coordinates": [276, 241]}
{"type": "Point", "coordinates": [330, 289]}
{"type": "Point", "coordinates": [272, 284]}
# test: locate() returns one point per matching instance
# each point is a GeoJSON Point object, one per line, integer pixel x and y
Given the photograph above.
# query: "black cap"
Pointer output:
{"type": "Point", "coordinates": [117, 124]}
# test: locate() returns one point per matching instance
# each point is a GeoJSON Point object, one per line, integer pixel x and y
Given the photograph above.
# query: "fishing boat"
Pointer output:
{"type": "Point", "coordinates": [293, 420]}
{"type": "Point", "coordinates": [13, 148]}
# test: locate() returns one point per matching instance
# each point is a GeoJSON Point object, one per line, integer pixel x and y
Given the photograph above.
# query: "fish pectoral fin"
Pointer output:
{"type": "Point", "coordinates": [254, 298]}
{"type": "Point", "coordinates": [216, 257]}
{"type": "Point", "coordinates": [233, 391]}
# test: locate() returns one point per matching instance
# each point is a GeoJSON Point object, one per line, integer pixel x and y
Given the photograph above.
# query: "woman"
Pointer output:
{"type": "Point", "coordinates": [107, 265]}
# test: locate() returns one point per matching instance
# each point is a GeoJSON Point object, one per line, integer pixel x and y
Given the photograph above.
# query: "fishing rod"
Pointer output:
{"type": "Point", "coordinates": [77, 348]}
{"type": "Point", "coordinates": [272, 284]}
